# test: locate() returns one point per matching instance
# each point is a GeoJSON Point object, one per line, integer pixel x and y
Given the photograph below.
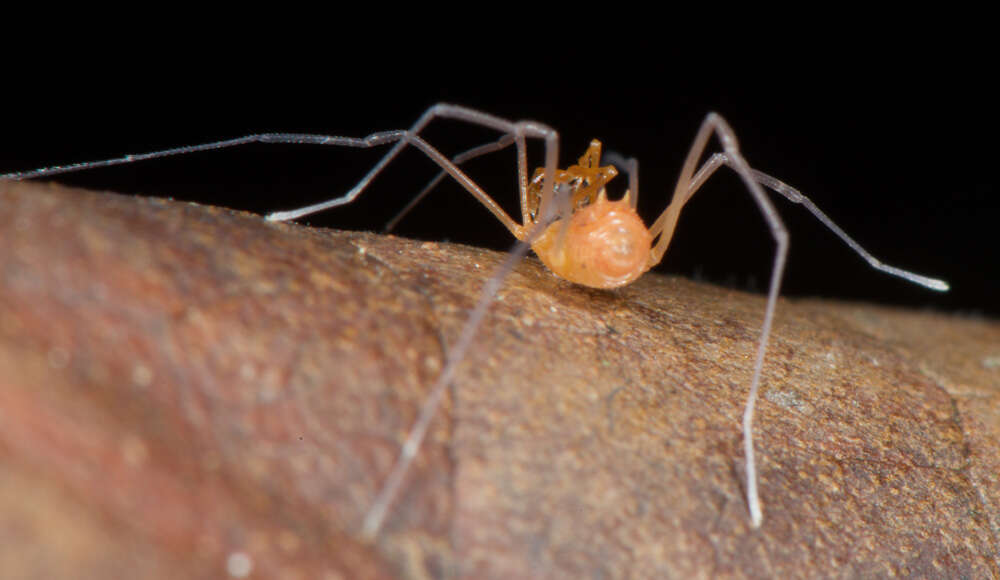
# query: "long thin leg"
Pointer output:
{"type": "Point", "coordinates": [519, 129]}
{"type": "Point", "coordinates": [714, 123]}
{"type": "Point", "coordinates": [285, 138]}
{"type": "Point", "coordinates": [383, 501]}
{"type": "Point", "coordinates": [373, 140]}
{"type": "Point", "coordinates": [719, 159]}
{"type": "Point", "coordinates": [797, 197]}
{"type": "Point", "coordinates": [390, 489]}
{"type": "Point", "coordinates": [664, 228]}
{"type": "Point", "coordinates": [502, 143]}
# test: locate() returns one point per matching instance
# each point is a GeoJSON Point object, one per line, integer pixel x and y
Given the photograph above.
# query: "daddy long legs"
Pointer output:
{"type": "Point", "coordinates": [568, 221]}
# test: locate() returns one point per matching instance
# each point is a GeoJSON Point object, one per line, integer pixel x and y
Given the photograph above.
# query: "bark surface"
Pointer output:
{"type": "Point", "coordinates": [185, 390]}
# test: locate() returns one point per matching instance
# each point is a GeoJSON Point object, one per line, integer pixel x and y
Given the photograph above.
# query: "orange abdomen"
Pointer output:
{"type": "Point", "coordinates": [606, 245]}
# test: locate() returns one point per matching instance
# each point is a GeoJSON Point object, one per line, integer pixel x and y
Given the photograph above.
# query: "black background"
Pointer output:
{"type": "Point", "coordinates": [897, 144]}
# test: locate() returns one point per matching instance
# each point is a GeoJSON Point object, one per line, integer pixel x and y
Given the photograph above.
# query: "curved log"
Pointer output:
{"type": "Point", "coordinates": [187, 390]}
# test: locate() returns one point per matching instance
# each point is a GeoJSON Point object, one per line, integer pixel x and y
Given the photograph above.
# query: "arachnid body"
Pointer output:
{"type": "Point", "coordinates": [568, 221]}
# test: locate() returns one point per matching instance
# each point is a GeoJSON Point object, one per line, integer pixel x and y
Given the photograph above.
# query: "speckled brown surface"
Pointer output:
{"type": "Point", "coordinates": [181, 386]}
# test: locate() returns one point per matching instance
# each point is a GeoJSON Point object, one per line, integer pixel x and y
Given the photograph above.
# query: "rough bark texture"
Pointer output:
{"type": "Point", "coordinates": [183, 387]}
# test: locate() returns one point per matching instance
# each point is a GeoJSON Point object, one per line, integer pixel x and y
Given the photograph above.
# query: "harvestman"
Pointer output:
{"type": "Point", "coordinates": [570, 224]}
